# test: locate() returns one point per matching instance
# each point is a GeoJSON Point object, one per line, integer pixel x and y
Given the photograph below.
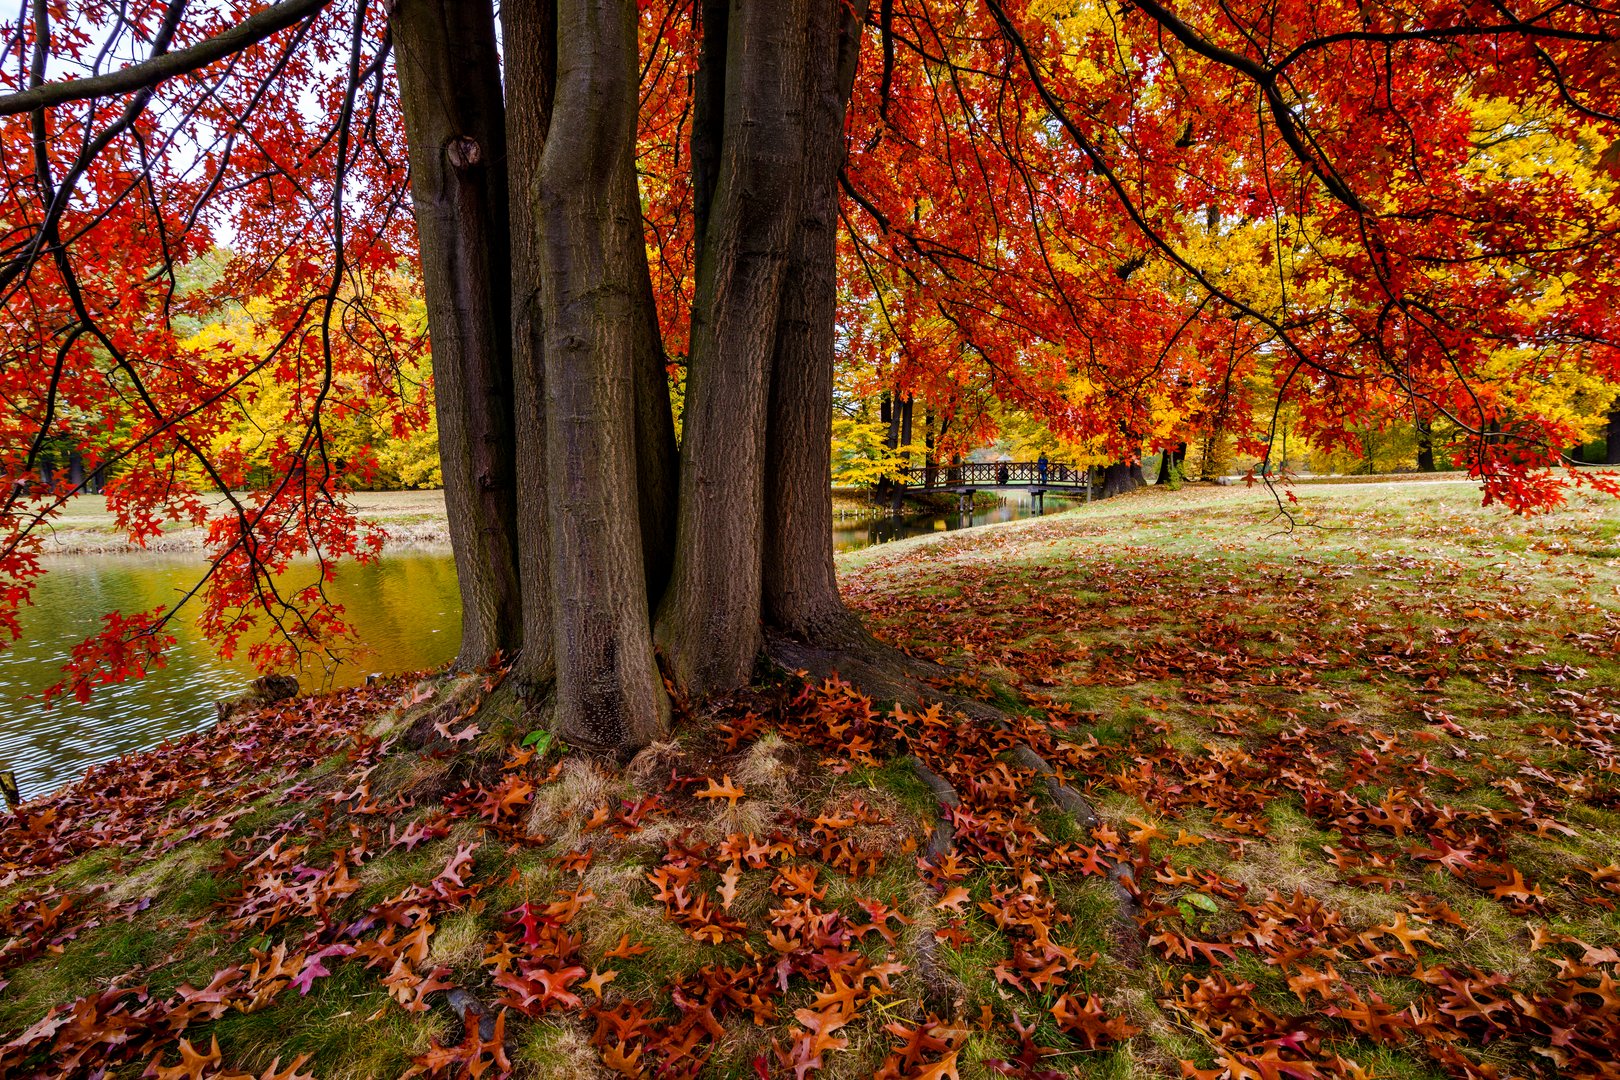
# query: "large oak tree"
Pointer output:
{"type": "Point", "coordinates": [1101, 214]}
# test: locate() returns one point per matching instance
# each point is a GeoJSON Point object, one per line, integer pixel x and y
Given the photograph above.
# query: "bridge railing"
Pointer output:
{"type": "Point", "coordinates": [996, 474]}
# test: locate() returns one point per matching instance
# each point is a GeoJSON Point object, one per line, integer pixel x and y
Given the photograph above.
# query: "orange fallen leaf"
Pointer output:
{"type": "Point", "coordinates": [725, 790]}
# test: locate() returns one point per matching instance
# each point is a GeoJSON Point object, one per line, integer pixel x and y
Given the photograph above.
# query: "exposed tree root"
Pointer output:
{"type": "Point", "coordinates": [1121, 876]}
{"type": "Point", "coordinates": [464, 1004]}
{"type": "Point", "coordinates": [939, 841]}
{"type": "Point", "coordinates": [882, 672]}
{"type": "Point", "coordinates": [925, 945]}
{"type": "Point", "coordinates": [887, 674]}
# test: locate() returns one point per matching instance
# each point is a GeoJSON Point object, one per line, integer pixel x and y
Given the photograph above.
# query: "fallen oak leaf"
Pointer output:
{"type": "Point", "coordinates": [622, 1058]}
{"type": "Point", "coordinates": [626, 949]}
{"type": "Point", "coordinates": [817, 1039]}
{"type": "Point", "coordinates": [1309, 981]}
{"type": "Point", "coordinates": [599, 980]}
{"type": "Point", "coordinates": [271, 1072]}
{"type": "Point", "coordinates": [728, 886]}
{"type": "Point", "coordinates": [1401, 930]}
{"type": "Point", "coordinates": [466, 734]}
{"type": "Point", "coordinates": [192, 1064]}
{"type": "Point", "coordinates": [469, 1054]}
{"type": "Point", "coordinates": [1087, 1021]}
{"type": "Point", "coordinates": [725, 790]}
{"type": "Point", "coordinates": [313, 968]}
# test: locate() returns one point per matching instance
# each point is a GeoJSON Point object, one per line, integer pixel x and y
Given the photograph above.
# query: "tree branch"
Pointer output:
{"type": "Point", "coordinates": [148, 73]}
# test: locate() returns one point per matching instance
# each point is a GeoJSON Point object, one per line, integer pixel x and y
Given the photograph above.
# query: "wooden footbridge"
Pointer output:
{"type": "Point", "coordinates": [969, 477]}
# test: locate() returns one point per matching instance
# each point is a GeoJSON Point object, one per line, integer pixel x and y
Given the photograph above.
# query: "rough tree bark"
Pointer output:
{"type": "Point", "coordinates": [800, 585]}
{"type": "Point", "coordinates": [1612, 456]}
{"type": "Point", "coordinates": [1118, 479]}
{"type": "Point", "coordinates": [657, 461]}
{"type": "Point", "coordinates": [743, 529]}
{"type": "Point", "coordinates": [708, 625]}
{"type": "Point", "coordinates": [529, 30]}
{"type": "Point", "coordinates": [593, 268]}
{"type": "Point", "coordinates": [459, 189]}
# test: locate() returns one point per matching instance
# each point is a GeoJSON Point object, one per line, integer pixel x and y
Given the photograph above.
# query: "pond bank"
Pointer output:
{"type": "Point", "coordinates": [412, 520]}
{"type": "Point", "coordinates": [404, 609]}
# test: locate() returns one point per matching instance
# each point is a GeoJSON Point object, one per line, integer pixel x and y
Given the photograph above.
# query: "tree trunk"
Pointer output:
{"type": "Point", "coordinates": [709, 623]}
{"type": "Point", "coordinates": [930, 463]}
{"type": "Point", "coordinates": [1425, 451]}
{"type": "Point", "coordinates": [593, 265]}
{"type": "Point", "coordinates": [657, 460]}
{"type": "Point", "coordinates": [708, 110]}
{"type": "Point", "coordinates": [459, 190]}
{"type": "Point", "coordinates": [529, 30]}
{"type": "Point", "coordinates": [1117, 480]}
{"type": "Point", "coordinates": [1612, 455]}
{"type": "Point", "coordinates": [800, 584]}
{"type": "Point", "coordinates": [1171, 463]}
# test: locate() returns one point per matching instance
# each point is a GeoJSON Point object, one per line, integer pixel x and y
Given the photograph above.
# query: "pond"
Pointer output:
{"type": "Point", "coordinates": [851, 535]}
{"type": "Point", "coordinates": [405, 609]}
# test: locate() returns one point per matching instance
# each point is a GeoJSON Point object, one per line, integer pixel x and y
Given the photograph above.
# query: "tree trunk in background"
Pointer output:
{"type": "Point", "coordinates": [529, 30]}
{"type": "Point", "coordinates": [1117, 480]}
{"type": "Point", "coordinates": [1171, 463]}
{"type": "Point", "coordinates": [1425, 451]}
{"type": "Point", "coordinates": [708, 111]}
{"type": "Point", "coordinates": [709, 623]}
{"type": "Point", "coordinates": [593, 266]}
{"type": "Point", "coordinates": [1612, 456]}
{"type": "Point", "coordinates": [800, 585]}
{"type": "Point", "coordinates": [657, 460]}
{"type": "Point", "coordinates": [459, 190]}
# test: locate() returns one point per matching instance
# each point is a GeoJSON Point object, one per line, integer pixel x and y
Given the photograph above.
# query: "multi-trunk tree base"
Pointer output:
{"type": "Point", "coordinates": [619, 565]}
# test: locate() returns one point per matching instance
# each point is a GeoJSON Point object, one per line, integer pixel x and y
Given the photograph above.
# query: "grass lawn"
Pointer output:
{"type": "Point", "coordinates": [1334, 798]}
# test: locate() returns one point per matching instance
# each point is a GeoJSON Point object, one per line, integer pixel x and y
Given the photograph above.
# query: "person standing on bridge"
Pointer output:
{"type": "Point", "coordinates": [1040, 467]}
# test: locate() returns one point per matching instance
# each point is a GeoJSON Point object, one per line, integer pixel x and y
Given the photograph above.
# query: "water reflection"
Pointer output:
{"type": "Point", "coordinates": [852, 536]}
{"type": "Point", "coordinates": [404, 609]}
